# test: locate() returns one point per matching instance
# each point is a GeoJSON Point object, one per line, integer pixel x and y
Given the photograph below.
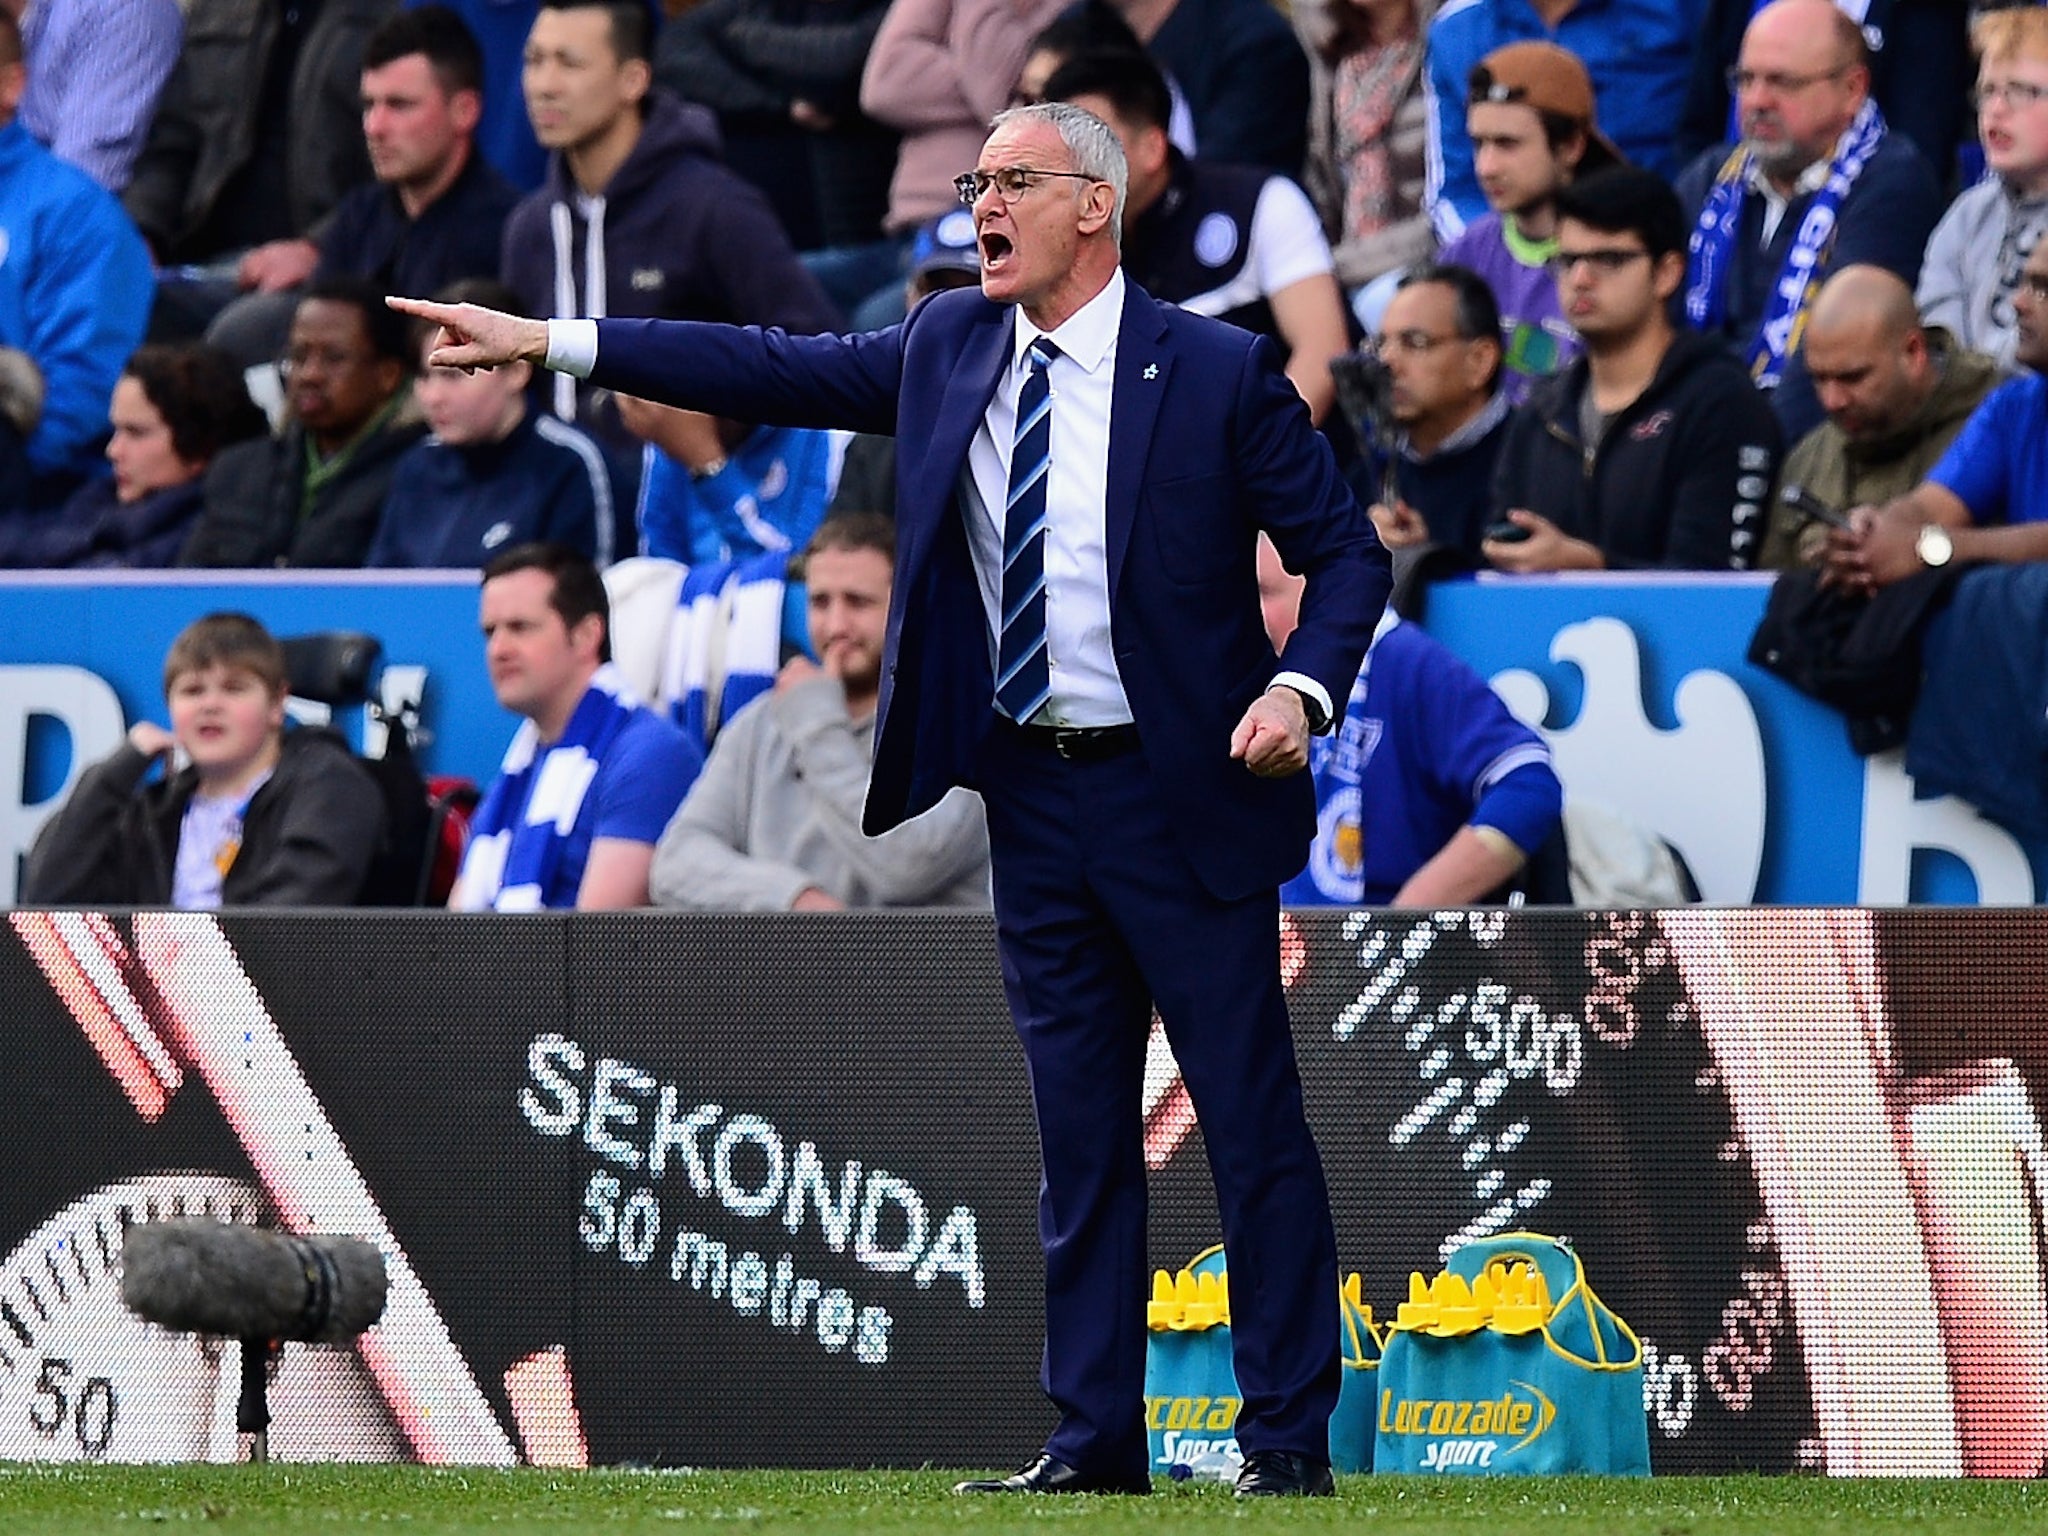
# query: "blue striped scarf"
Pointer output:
{"type": "Point", "coordinates": [523, 822]}
{"type": "Point", "coordinates": [1720, 225]}
{"type": "Point", "coordinates": [725, 645]}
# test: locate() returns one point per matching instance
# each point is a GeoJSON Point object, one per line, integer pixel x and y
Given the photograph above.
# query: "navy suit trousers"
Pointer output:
{"type": "Point", "coordinates": [1099, 918]}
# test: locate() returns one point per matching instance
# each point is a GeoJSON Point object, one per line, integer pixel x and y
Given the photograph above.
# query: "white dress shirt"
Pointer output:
{"type": "Point", "coordinates": [1086, 690]}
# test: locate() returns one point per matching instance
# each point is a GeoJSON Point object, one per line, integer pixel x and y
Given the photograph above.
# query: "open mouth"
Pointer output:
{"type": "Point", "coordinates": [995, 250]}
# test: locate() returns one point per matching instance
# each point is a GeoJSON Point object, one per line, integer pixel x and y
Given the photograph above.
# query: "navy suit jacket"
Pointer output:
{"type": "Point", "coordinates": [1209, 444]}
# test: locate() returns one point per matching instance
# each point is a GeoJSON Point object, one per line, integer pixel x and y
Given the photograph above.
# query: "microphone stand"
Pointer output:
{"type": "Point", "coordinates": [252, 1409]}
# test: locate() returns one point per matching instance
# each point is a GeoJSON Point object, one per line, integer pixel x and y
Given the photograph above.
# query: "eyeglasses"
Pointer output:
{"type": "Point", "coordinates": [1741, 80]}
{"type": "Point", "coordinates": [1606, 262]}
{"type": "Point", "coordinates": [329, 359]}
{"type": "Point", "coordinates": [1410, 343]}
{"type": "Point", "coordinates": [2008, 93]}
{"type": "Point", "coordinates": [1010, 183]}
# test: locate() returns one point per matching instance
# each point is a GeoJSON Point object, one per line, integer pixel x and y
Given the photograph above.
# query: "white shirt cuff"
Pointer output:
{"type": "Point", "coordinates": [572, 347]}
{"type": "Point", "coordinates": [1314, 689]}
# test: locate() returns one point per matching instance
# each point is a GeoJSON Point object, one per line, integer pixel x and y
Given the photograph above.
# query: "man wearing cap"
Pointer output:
{"type": "Point", "coordinates": [1639, 51]}
{"type": "Point", "coordinates": [1234, 242]}
{"type": "Point", "coordinates": [1532, 129]}
{"type": "Point", "coordinates": [1816, 184]}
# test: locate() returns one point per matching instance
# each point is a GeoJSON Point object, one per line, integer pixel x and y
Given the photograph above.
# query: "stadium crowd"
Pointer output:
{"type": "Point", "coordinates": [1566, 284]}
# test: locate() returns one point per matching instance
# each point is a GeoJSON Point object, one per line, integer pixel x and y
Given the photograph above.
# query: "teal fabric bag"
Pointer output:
{"type": "Point", "coordinates": [1468, 1388]}
{"type": "Point", "coordinates": [1191, 1397]}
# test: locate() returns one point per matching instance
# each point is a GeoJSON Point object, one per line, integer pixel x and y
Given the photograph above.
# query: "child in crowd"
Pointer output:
{"type": "Point", "coordinates": [246, 814]}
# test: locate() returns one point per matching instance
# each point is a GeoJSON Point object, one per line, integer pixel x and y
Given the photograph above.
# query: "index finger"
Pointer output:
{"type": "Point", "coordinates": [425, 309]}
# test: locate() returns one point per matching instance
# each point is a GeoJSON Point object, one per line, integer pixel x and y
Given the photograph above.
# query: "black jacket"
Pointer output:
{"type": "Point", "coordinates": [206, 124]}
{"type": "Point", "coordinates": [308, 835]}
{"type": "Point", "coordinates": [457, 235]}
{"type": "Point", "coordinates": [1681, 479]}
{"type": "Point", "coordinates": [252, 515]}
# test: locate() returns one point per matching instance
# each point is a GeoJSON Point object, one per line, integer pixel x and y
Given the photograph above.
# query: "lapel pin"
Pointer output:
{"type": "Point", "coordinates": [1151, 370]}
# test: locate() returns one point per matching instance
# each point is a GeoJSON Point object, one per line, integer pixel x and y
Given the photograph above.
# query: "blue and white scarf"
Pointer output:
{"type": "Point", "coordinates": [725, 645]}
{"type": "Point", "coordinates": [523, 822]}
{"type": "Point", "coordinates": [1720, 225]}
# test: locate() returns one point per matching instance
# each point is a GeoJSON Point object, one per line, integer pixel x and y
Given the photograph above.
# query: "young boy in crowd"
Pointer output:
{"type": "Point", "coordinates": [246, 813]}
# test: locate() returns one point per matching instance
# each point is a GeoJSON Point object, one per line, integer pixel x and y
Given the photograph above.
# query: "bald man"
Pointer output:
{"type": "Point", "coordinates": [1896, 394]}
{"type": "Point", "coordinates": [1816, 184]}
{"type": "Point", "coordinates": [1987, 499]}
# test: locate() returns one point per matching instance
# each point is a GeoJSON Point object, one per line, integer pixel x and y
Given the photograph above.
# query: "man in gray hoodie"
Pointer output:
{"type": "Point", "coordinates": [773, 822]}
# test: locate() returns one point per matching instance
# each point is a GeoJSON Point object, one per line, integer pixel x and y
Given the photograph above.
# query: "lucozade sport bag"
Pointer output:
{"type": "Point", "coordinates": [1191, 1396]}
{"type": "Point", "coordinates": [1482, 1374]}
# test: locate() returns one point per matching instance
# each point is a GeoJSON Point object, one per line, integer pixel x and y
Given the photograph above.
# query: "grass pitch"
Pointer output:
{"type": "Point", "coordinates": [226, 1500]}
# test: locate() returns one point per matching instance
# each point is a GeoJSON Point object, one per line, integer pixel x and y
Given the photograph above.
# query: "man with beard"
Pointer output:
{"type": "Point", "coordinates": [1988, 497]}
{"type": "Point", "coordinates": [1816, 184]}
{"type": "Point", "coordinates": [1896, 393]}
{"type": "Point", "coordinates": [773, 823]}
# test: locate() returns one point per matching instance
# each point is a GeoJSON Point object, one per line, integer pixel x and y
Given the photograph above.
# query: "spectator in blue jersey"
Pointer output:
{"type": "Point", "coordinates": [1988, 497]}
{"type": "Point", "coordinates": [1638, 52]}
{"type": "Point", "coordinates": [716, 489]}
{"type": "Point", "coordinates": [96, 68]}
{"type": "Point", "coordinates": [1429, 793]}
{"type": "Point", "coordinates": [1237, 243]}
{"type": "Point", "coordinates": [74, 298]}
{"type": "Point", "coordinates": [592, 775]}
{"type": "Point", "coordinates": [496, 471]}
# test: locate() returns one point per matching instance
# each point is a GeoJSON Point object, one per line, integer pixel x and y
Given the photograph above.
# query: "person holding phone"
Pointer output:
{"type": "Point", "coordinates": [1896, 393]}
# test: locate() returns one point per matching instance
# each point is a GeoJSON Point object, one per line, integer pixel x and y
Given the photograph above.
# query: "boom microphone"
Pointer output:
{"type": "Point", "coordinates": [243, 1282]}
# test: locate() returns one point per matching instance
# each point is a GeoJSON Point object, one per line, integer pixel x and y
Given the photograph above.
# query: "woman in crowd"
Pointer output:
{"type": "Point", "coordinates": [173, 409]}
{"type": "Point", "coordinates": [1367, 131]}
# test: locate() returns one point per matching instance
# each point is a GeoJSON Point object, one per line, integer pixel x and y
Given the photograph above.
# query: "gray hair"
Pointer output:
{"type": "Point", "coordinates": [1098, 153]}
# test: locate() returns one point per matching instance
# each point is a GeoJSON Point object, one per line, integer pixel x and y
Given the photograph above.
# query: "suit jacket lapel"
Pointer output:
{"type": "Point", "coordinates": [984, 352]}
{"type": "Point", "coordinates": [1143, 368]}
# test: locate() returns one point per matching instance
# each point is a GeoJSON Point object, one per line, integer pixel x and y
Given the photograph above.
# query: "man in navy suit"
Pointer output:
{"type": "Point", "coordinates": [1075, 631]}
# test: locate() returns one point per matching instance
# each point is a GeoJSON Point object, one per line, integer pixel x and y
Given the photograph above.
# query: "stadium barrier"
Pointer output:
{"type": "Point", "coordinates": [1640, 683]}
{"type": "Point", "coordinates": [723, 1191]}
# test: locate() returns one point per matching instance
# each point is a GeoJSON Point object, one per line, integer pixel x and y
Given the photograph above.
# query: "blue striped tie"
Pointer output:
{"type": "Point", "coordinates": [1023, 678]}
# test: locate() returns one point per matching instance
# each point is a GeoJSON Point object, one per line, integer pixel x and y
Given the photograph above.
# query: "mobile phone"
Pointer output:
{"type": "Point", "coordinates": [1505, 532]}
{"type": "Point", "coordinates": [1804, 502]}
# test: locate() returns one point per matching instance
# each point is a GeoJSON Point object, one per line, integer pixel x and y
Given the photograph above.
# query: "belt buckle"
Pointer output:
{"type": "Point", "coordinates": [1067, 744]}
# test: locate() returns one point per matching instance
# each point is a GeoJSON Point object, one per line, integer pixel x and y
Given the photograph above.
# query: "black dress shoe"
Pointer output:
{"type": "Point", "coordinates": [1283, 1474]}
{"type": "Point", "coordinates": [1049, 1474]}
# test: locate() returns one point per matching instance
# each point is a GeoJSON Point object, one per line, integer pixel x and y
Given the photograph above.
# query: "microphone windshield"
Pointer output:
{"type": "Point", "coordinates": [203, 1276]}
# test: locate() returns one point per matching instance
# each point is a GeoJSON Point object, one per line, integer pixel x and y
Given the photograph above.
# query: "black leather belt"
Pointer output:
{"type": "Point", "coordinates": [1078, 744]}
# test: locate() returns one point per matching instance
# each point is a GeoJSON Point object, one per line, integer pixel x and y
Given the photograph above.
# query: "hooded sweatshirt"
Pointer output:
{"type": "Point", "coordinates": [674, 235]}
{"type": "Point", "coordinates": [1680, 476]}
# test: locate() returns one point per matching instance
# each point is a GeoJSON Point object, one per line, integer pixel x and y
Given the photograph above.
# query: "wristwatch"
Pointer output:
{"type": "Point", "coordinates": [1934, 546]}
